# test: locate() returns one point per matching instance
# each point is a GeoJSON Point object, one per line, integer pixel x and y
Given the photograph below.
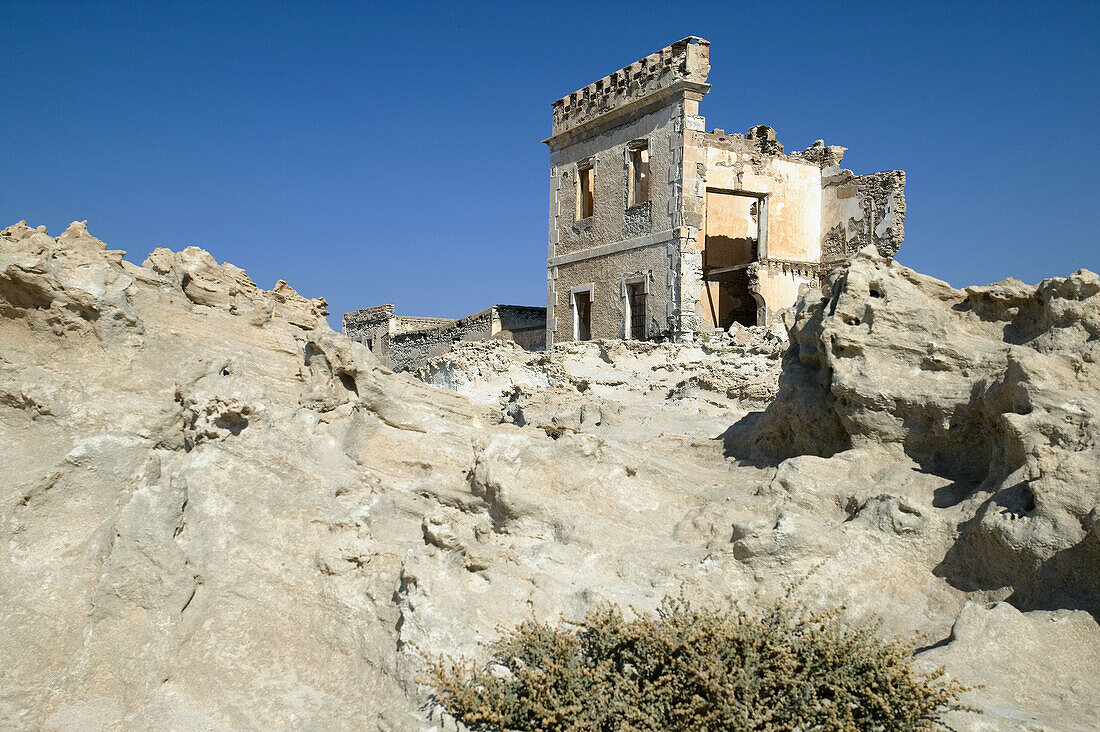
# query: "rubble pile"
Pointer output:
{"type": "Point", "coordinates": [631, 390]}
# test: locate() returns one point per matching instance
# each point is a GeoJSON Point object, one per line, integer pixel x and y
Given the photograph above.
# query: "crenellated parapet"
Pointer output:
{"type": "Point", "coordinates": [684, 64]}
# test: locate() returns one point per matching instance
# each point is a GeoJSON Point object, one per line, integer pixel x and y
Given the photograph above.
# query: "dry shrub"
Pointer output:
{"type": "Point", "coordinates": [781, 668]}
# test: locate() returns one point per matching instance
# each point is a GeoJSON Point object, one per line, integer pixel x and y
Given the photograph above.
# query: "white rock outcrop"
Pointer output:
{"type": "Point", "coordinates": [996, 388]}
{"type": "Point", "coordinates": [219, 514]}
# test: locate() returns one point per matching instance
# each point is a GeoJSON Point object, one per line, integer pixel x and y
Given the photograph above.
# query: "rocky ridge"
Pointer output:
{"type": "Point", "coordinates": [220, 514]}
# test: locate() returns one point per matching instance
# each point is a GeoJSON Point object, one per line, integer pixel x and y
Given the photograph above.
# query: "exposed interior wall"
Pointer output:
{"type": "Point", "coordinates": [857, 210]}
{"type": "Point", "coordinates": [731, 238]}
{"type": "Point", "coordinates": [793, 187]}
{"type": "Point", "coordinates": [778, 285]}
{"type": "Point", "coordinates": [731, 230]}
{"type": "Point", "coordinates": [729, 299]}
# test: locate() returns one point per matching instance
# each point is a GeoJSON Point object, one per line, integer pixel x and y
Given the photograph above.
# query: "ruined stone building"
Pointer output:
{"type": "Point", "coordinates": [659, 228]}
{"type": "Point", "coordinates": [405, 343]}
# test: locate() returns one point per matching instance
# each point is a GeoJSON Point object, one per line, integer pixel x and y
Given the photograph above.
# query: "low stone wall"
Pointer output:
{"type": "Point", "coordinates": [371, 327]}
{"type": "Point", "coordinates": [406, 343]}
{"type": "Point", "coordinates": [524, 325]}
{"type": "Point", "coordinates": [412, 323]}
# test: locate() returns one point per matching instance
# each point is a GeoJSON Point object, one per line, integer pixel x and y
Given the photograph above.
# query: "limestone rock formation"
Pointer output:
{"type": "Point", "coordinates": [220, 514]}
{"type": "Point", "coordinates": [996, 388]}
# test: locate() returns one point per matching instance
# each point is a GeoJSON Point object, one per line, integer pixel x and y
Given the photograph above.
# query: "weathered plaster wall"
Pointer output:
{"type": "Point", "coordinates": [779, 285]}
{"type": "Point", "coordinates": [794, 188]}
{"type": "Point", "coordinates": [850, 203]}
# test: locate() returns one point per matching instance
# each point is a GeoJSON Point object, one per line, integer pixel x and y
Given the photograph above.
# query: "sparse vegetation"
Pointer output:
{"type": "Point", "coordinates": [780, 668]}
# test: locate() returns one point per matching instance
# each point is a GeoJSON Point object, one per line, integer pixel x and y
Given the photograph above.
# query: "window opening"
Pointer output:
{"type": "Point", "coordinates": [735, 231]}
{"type": "Point", "coordinates": [635, 294]}
{"type": "Point", "coordinates": [586, 190]}
{"type": "Point", "coordinates": [638, 174]}
{"type": "Point", "coordinates": [582, 317]}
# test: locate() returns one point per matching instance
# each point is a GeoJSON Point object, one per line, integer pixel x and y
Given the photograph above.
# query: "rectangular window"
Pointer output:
{"type": "Point", "coordinates": [635, 298]}
{"type": "Point", "coordinates": [586, 189]}
{"type": "Point", "coordinates": [638, 174]}
{"type": "Point", "coordinates": [582, 315]}
{"type": "Point", "coordinates": [734, 236]}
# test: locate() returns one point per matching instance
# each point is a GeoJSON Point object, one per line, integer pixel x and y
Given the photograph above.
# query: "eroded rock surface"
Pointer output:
{"type": "Point", "coordinates": [219, 514]}
{"type": "Point", "coordinates": [996, 388]}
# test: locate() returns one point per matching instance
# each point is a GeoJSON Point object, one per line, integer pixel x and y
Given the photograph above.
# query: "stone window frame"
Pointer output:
{"type": "Point", "coordinates": [639, 278]}
{"type": "Point", "coordinates": [636, 145]}
{"type": "Point", "coordinates": [584, 164]}
{"type": "Point", "coordinates": [590, 288]}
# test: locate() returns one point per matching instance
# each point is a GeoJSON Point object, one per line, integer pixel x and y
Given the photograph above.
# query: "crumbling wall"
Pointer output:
{"type": "Point", "coordinates": [857, 210]}
{"type": "Point", "coordinates": [685, 60]}
{"type": "Point", "coordinates": [525, 325]}
{"type": "Point", "coordinates": [371, 327]}
{"type": "Point", "coordinates": [755, 163]}
{"type": "Point", "coordinates": [410, 351]}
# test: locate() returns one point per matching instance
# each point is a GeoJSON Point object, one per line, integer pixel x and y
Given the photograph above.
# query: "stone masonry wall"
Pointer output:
{"type": "Point", "coordinates": [645, 231]}
{"type": "Point", "coordinates": [371, 327]}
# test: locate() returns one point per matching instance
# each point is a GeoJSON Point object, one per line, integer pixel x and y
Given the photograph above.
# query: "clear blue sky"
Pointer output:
{"type": "Point", "coordinates": [389, 152]}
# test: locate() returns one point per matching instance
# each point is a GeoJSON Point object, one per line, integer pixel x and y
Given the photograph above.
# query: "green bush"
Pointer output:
{"type": "Point", "coordinates": [782, 668]}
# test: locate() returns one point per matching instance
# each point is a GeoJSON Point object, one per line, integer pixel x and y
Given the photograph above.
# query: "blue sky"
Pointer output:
{"type": "Point", "coordinates": [390, 152]}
